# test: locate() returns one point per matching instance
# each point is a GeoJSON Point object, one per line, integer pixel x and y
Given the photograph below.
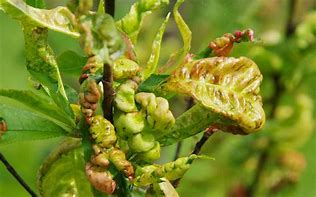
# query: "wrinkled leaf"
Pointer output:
{"type": "Point", "coordinates": [178, 57]}
{"type": "Point", "coordinates": [41, 105]}
{"type": "Point", "coordinates": [41, 64]}
{"type": "Point", "coordinates": [69, 62]}
{"type": "Point", "coordinates": [59, 19]}
{"type": "Point", "coordinates": [152, 62]}
{"type": "Point", "coordinates": [25, 125]}
{"type": "Point", "coordinates": [226, 86]}
{"type": "Point", "coordinates": [62, 174]}
{"type": "Point", "coordinates": [131, 23]}
{"type": "Point", "coordinates": [100, 37]}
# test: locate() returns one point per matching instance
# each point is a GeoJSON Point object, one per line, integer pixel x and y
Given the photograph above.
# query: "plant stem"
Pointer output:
{"type": "Point", "coordinates": [198, 146]}
{"type": "Point", "coordinates": [291, 24]}
{"type": "Point", "coordinates": [206, 135]}
{"type": "Point", "coordinates": [108, 92]}
{"type": "Point", "coordinates": [16, 175]}
{"type": "Point", "coordinates": [107, 80]}
{"type": "Point", "coordinates": [261, 164]}
{"type": "Point", "coordinates": [109, 7]}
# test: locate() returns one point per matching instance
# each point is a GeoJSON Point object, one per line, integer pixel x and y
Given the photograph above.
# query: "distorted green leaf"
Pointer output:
{"type": "Point", "coordinates": [131, 23]}
{"type": "Point", "coordinates": [152, 62]}
{"type": "Point", "coordinates": [69, 62]}
{"type": "Point", "coordinates": [226, 86]}
{"type": "Point", "coordinates": [41, 64]}
{"type": "Point", "coordinates": [62, 173]}
{"type": "Point", "coordinates": [59, 19]}
{"type": "Point", "coordinates": [179, 56]}
{"type": "Point", "coordinates": [124, 68]}
{"type": "Point", "coordinates": [42, 105]}
{"type": "Point", "coordinates": [165, 189]}
{"type": "Point", "coordinates": [24, 125]}
{"type": "Point", "coordinates": [100, 37]}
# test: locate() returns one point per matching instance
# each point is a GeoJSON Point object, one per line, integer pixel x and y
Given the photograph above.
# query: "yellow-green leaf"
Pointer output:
{"type": "Point", "coordinates": [226, 86]}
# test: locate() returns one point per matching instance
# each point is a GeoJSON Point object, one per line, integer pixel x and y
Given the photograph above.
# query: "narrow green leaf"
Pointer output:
{"type": "Point", "coordinates": [59, 19]}
{"type": "Point", "coordinates": [153, 83]}
{"type": "Point", "coordinates": [41, 105]}
{"type": "Point", "coordinates": [226, 86]}
{"type": "Point", "coordinates": [131, 23]}
{"type": "Point", "coordinates": [179, 56]}
{"type": "Point", "coordinates": [69, 62]}
{"type": "Point", "coordinates": [152, 62]}
{"type": "Point", "coordinates": [72, 94]}
{"type": "Point", "coordinates": [62, 174]}
{"type": "Point", "coordinates": [25, 125]}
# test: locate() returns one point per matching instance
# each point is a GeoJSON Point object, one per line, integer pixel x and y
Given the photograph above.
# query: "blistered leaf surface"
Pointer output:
{"type": "Point", "coordinates": [226, 86]}
{"type": "Point", "coordinates": [59, 19]}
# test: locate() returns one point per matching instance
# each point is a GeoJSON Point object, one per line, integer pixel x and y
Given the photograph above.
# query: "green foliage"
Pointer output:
{"type": "Point", "coordinates": [118, 158]}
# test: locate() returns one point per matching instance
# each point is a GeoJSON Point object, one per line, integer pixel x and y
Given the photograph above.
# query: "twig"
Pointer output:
{"type": "Point", "coordinates": [207, 134]}
{"type": "Point", "coordinates": [16, 175]}
{"type": "Point", "coordinates": [108, 92]}
{"type": "Point", "coordinates": [261, 164]}
{"type": "Point", "coordinates": [291, 24]}
{"type": "Point", "coordinates": [109, 7]}
{"type": "Point", "coordinates": [107, 80]}
{"type": "Point", "coordinates": [198, 146]}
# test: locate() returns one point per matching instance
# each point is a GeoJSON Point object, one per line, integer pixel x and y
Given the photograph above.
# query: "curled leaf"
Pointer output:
{"type": "Point", "coordinates": [131, 23]}
{"type": "Point", "coordinates": [102, 132]}
{"type": "Point", "coordinates": [124, 68]}
{"type": "Point", "coordinates": [226, 86]}
{"type": "Point", "coordinates": [179, 56]}
{"type": "Point", "coordinates": [59, 19]}
{"type": "Point", "coordinates": [152, 62]}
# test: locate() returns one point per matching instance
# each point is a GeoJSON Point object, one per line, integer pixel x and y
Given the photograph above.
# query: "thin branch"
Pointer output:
{"type": "Point", "coordinates": [107, 80]}
{"type": "Point", "coordinates": [109, 7]}
{"type": "Point", "coordinates": [291, 24]}
{"type": "Point", "coordinates": [108, 92]}
{"type": "Point", "coordinates": [258, 173]}
{"type": "Point", "coordinates": [198, 146]}
{"type": "Point", "coordinates": [207, 134]}
{"type": "Point", "coordinates": [16, 175]}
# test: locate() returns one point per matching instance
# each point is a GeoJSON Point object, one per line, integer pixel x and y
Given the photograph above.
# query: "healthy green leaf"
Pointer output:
{"type": "Point", "coordinates": [69, 62]}
{"type": "Point", "coordinates": [152, 62]}
{"type": "Point", "coordinates": [226, 86]}
{"type": "Point", "coordinates": [63, 172]}
{"type": "Point", "coordinates": [178, 57]}
{"type": "Point", "coordinates": [42, 105]}
{"type": "Point", "coordinates": [59, 19]}
{"type": "Point", "coordinates": [25, 125]}
{"type": "Point", "coordinates": [41, 64]}
{"type": "Point", "coordinates": [131, 23]}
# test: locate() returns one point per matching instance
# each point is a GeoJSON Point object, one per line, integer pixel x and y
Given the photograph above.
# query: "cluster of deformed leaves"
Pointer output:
{"type": "Point", "coordinates": [117, 155]}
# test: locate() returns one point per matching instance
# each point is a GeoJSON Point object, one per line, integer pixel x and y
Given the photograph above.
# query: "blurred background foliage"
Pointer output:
{"type": "Point", "coordinates": [277, 161]}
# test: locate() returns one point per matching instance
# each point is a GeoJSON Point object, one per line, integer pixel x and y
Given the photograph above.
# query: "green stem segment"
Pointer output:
{"type": "Point", "coordinates": [16, 175]}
